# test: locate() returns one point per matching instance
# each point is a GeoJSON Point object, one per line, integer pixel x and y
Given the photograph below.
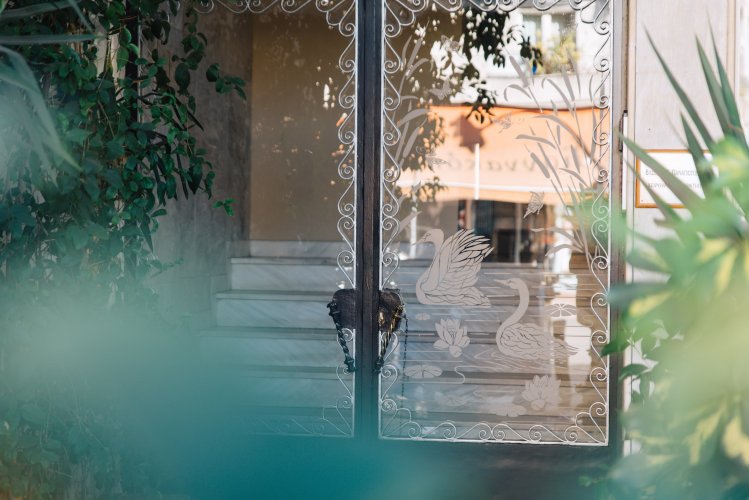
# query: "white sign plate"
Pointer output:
{"type": "Point", "coordinates": [679, 163]}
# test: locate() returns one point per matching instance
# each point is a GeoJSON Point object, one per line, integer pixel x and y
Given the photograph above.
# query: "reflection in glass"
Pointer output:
{"type": "Point", "coordinates": [302, 204]}
{"type": "Point", "coordinates": [495, 220]}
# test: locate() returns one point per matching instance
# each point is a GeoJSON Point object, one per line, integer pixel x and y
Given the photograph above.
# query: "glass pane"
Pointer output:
{"type": "Point", "coordinates": [495, 178]}
{"type": "Point", "coordinates": [273, 321]}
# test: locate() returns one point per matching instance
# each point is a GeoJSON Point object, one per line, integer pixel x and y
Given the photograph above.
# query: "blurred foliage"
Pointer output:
{"type": "Point", "coordinates": [97, 134]}
{"type": "Point", "coordinates": [84, 183]}
{"type": "Point", "coordinates": [561, 56]}
{"type": "Point", "coordinates": [422, 130]}
{"type": "Point", "coordinates": [489, 35]}
{"type": "Point", "coordinates": [690, 411]}
{"type": "Point", "coordinates": [425, 81]}
{"type": "Point", "coordinates": [482, 34]}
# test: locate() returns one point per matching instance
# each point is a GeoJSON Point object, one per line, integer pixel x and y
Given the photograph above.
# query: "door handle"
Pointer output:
{"type": "Point", "coordinates": [341, 308]}
{"type": "Point", "coordinates": [391, 313]}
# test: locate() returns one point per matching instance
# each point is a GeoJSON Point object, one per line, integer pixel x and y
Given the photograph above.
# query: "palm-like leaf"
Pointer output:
{"type": "Point", "coordinates": [679, 321]}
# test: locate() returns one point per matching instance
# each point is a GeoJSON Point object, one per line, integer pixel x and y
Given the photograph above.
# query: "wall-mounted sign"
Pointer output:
{"type": "Point", "coordinates": [679, 163]}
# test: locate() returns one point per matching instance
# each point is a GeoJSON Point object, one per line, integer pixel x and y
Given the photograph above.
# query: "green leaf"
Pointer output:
{"type": "Point", "coordinates": [226, 205]}
{"type": "Point", "coordinates": [122, 57]}
{"type": "Point", "coordinates": [702, 441]}
{"type": "Point", "coordinates": [728, 96]}
{"type": "Point", "coordinates": [648, 261]}
{"type": "Point", "coordinates": [19, 75]}
{"type": "Point", "coordinates": [704, 173]}
{"type": "Point", "coordinates": [97, 231]}
{"type": "Point", "coordinates": [77, 136]}
{"type": "Point", "coordinates": [78, 236]}
{"type": "Point", "coordinates": [113, 177]}
{"type": "Point", "coordinates": [717, 95]}
{"type": "Point", "coordinates": [624, 293]}
{"type": "Point", "coordinates": [632, 370]}
{"type": "Point", "coordinates": [617, 345]}
{"type": "Point", "coordinates": [125, 36]}
{"type": "Point", "coordinates": [182, 77]}
{"type": "Point", "coordinates": [114, 150]}
{"type": "Point", "coordinates": [92, 188]}
{"type": "Point", "coordinates": [42, 8]}
{"type": "Point", "coordinates": [212, 73]}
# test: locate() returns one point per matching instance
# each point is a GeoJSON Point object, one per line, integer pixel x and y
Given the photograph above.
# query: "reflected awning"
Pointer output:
{"type": "Point", "coordinates": [491, 160]}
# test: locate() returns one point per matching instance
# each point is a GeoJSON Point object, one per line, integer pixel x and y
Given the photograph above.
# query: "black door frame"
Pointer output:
{"type": "Point", "coordinates": [489, 455]}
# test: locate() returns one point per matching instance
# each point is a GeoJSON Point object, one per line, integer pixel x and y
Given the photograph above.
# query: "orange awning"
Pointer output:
{"type": "Point", "coordinates": [494, 160]}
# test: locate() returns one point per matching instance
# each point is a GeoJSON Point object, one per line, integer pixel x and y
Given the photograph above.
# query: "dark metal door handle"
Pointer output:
{"type": "Point", "coordinates": [390, 315]}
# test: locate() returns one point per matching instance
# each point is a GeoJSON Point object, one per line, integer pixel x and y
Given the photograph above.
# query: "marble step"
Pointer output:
{"type": "Point", "coordinates": [324, 275]}
{"type": "Point", "coordinates": [273, 309]}
{"type": "Point", "coordinates": [287, 274]}
{"type": "Point", "coordinates": [308, 310]}
{"type": "Point", "coordinates": [279, 367]}
{"type": "Point", "coordinates": [270, 349]}
{"type": "Point", "coordinates": [299, 388]}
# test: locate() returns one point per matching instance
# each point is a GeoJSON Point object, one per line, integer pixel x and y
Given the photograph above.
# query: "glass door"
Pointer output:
{"type": "Point", "coordinates": [298, 241]}
{"type": "Point", "coordinates": [427, 245]}
{"type": "Point", "coordinates": [494, 218]}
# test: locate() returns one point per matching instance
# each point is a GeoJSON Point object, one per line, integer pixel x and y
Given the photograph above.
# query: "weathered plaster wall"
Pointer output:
{"type": "Point", "coordinates": [654, 108]}
{"type": "Point", "coordinates": [194, 233]}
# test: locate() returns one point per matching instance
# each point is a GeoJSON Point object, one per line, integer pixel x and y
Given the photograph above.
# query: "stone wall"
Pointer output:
{"type": "Point", "coordinates": [195, 234]}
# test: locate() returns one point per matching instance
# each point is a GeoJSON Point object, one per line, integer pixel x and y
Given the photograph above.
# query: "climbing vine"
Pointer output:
{"type": "Point", "coordinates": [126, 116]}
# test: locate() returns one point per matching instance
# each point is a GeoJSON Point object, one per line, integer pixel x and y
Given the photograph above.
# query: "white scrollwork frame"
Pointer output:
{"type": "Point", "coordinates": [397, 15]}
{"type": "Point", "coordinates": [342, 15]}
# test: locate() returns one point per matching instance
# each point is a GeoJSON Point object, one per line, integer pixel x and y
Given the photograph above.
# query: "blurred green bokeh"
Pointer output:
{"type": "Point", "coordinates": [689, 418]}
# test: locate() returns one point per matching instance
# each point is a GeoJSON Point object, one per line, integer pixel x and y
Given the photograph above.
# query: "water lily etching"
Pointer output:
{"type": "Point", "coordinates": [452, 337]}
{"type": "Point", "coordinates": [542, 392]}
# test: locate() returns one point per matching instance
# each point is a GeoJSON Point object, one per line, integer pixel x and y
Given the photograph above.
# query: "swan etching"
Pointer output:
{"type": "Point", "coordinates": [451, 276]}
{"type": "Point", "coordinates": [527, 340]}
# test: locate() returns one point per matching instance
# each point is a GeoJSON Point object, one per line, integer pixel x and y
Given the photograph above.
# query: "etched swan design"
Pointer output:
{"type": "Point", "coordinates": [451, 276]}
{"type": "Point", "coordinates": [527, 340]}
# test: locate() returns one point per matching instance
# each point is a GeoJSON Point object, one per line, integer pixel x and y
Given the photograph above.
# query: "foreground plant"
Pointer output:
{"type": "Point", "coordinates": [690, 409]}
{"type": "Point", "coordinates": [97, 135]}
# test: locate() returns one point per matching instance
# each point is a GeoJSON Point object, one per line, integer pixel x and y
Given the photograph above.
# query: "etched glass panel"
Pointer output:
{"type": "Point", "coordinates": [298, 246]}
{"type": "Point", "coordinates": [495, 219]}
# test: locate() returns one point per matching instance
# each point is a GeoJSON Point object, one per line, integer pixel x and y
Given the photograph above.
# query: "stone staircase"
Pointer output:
{"type": "Point", "coordinates": [273, 330]}
{"type": "Point", "coordinates": [272, 327]}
